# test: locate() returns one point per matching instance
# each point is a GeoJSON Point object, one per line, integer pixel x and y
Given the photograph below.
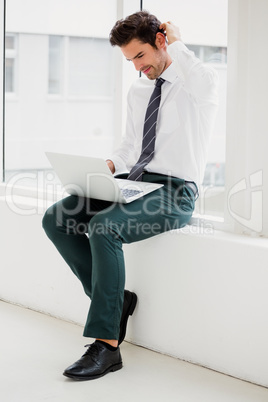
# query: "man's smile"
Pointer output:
{"type": "Point", "coordinates": [147, 70]}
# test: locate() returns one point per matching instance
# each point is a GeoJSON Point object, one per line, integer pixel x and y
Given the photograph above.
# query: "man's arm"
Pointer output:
{"type": "Point", "coordinates": [119, 159]}
{"type": "Point", "coordinates": [199, 80]}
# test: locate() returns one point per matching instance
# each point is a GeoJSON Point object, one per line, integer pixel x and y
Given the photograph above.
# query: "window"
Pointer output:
{"type": "Point", "coordinates": [10, 63]}
{"type": "Point", "coordinates": [37, 70]}
{"type": "Point", "coordinates": [78, 67]}
{"type": "Point", "coordinates": [213, 54]}
{"type": "Point", "coordinates": [90, 62]}
{"type": "Point", "coordinates": [55, 83]}
{"type": "Point", "coordinates": [64, 82]}
{"type": "Point", "coordinates": [210, 54]}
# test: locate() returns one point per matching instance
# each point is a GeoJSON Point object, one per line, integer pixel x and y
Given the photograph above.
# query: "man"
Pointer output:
{"type": "Point", "coordinates": [169, 122]}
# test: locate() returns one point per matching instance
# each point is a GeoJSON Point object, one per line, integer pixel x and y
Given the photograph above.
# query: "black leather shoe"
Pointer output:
{"type": "Point", "coordinates": [96, 362]}
{"type": "Point", "coordinates": [130, 301]}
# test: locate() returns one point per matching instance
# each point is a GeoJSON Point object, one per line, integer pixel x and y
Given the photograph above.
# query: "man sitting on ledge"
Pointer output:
{"type": "Point", "coordinates": [169, 123]}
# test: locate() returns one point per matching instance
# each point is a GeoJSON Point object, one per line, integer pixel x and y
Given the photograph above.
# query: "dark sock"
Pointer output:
{"type": "Point", "coordinates": [108, 346]}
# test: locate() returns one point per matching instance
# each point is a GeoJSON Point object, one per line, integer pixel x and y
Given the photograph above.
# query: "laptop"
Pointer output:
{"type": "Point", "coordinates": [90, 177]}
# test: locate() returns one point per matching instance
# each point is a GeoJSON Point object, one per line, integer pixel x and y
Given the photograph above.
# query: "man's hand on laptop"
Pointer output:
{"type": "Point", "coordinates": [110, 165]}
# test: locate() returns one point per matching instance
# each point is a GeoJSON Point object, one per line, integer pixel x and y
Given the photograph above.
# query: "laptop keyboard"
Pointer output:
{"type": "Point", "coordinates": [127, 193]}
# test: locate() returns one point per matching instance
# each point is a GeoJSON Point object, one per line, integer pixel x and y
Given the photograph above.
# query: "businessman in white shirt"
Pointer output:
{"type": "Point", "coordinates": [169, 123]}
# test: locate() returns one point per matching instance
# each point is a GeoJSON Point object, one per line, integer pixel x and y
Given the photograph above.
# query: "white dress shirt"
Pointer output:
{"type": "Point", "coordinates": [185, 119]}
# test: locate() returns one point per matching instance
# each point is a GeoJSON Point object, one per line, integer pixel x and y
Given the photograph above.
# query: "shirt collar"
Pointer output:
{"type": "Point", "coordinates": [169, 74]}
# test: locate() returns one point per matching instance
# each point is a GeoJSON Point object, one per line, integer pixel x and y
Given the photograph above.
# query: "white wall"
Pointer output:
{"type": "Point", "coordinates": [203, 299]}
{"type": "Point", "coordinates": [247, 117]}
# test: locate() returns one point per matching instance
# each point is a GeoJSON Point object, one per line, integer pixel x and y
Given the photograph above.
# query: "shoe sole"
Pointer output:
{"type": "Point", "coordinates": [113, 368]}
{"type": "Point", "coordinates": [129, 312]}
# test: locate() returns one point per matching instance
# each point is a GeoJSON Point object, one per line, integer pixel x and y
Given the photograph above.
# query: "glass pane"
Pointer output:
{"type": "Point", "coordinates": [10, 42]}
{"type": "Point", "coordinates": [9, 75]}
{"type": "Point", "coordinates": [209, 54]}
{"type": "Point", "coordinates": [57, 57]}
{"type": "Point", "coordinates": [88, 72]}
{"type": "Point", "coordinates": [195, 49]}
{"type": "Point", "coordinates": [55, 64]}
{"type": "Point", "coordinates": [214, 54]}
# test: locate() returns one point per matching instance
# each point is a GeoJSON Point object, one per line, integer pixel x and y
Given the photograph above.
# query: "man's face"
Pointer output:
{"type": "Point", "coordinates": [147, 59]}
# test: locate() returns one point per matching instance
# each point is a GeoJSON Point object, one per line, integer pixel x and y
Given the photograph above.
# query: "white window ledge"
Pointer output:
{"type": "Point", "coordinates": [31, 201]}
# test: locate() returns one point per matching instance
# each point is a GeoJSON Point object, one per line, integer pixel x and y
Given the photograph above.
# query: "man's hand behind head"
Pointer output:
{"type": "Point", "coordinates": [172, 32]}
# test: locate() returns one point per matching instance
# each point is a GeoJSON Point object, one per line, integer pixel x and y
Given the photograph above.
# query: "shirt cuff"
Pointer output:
{"type": "Point", "coordinates": [119, 164]}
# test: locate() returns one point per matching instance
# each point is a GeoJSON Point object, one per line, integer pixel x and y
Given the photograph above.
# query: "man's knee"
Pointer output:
{"type": "Point", "coordinates": [59, 213]}
{"type": "Point", "coordinates": [48, 221]}
{"type": "Point", "coordinates": [102, 225]}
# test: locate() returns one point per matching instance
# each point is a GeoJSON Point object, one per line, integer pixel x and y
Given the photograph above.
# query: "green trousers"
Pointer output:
{"type": "Point", "coordinates": [89, 234]}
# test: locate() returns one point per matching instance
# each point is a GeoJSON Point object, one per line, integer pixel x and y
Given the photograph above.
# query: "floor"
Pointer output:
{"type": "Point", "coordinates": [35, 348]}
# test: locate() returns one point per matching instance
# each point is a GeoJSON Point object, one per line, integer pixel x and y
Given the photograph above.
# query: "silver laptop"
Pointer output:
{"type": "Point", "coordinates": [90, 177]}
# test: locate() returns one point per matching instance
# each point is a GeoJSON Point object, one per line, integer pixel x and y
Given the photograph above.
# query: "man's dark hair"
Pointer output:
{"type": "Point", "coordinates": [141, 25]}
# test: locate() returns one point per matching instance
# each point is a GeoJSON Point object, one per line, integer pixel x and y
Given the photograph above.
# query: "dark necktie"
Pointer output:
{"type": "Point", "coordinates": [148, 142]}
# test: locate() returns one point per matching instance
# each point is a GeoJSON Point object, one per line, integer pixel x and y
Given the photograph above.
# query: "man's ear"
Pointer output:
{"type": "Point", "coordinates": [160, 41]}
